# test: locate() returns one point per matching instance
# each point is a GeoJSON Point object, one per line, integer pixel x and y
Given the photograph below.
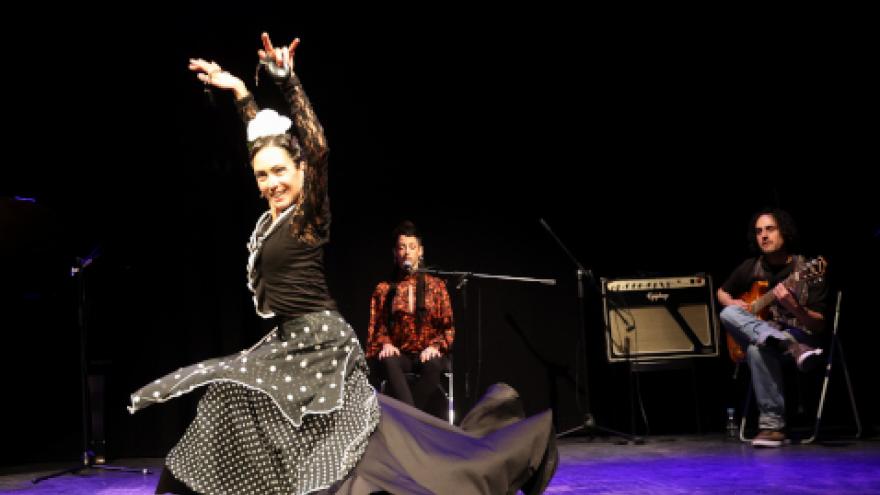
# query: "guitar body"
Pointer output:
{"type": "Point", "coordinates": [759, 288]}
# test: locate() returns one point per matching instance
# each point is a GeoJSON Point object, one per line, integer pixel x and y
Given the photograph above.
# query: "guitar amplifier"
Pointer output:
{"type": "Point", "coordinates": [654, 319]}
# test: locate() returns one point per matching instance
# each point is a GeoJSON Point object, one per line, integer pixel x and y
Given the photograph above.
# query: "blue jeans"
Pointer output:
{"type": "Point", "coordinates": [764, 361]}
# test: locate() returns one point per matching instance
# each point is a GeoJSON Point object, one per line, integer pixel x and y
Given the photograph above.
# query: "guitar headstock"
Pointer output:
{"type": "Point", "coordinates": [813, 270]}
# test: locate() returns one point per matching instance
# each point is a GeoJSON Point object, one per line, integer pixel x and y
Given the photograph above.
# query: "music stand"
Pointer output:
{"type": "Point", "coordinates": [89, 459]}
{"type": "Point", "coordinates": [589, 424]}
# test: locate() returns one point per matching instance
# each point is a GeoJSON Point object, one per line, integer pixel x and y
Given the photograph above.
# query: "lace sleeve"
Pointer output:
{"type": "Point", "coordinates": [247, 108]}
{"type": "Point", "coordinates": [316, 208]}
{"type": "Point", "coordinates": [309, 129]}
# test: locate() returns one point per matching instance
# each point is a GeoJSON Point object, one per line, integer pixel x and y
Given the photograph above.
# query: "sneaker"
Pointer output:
{"type": "Point", "coordinates": [806, 357]}
{"type": "Point", "coordinates": [768, 438]}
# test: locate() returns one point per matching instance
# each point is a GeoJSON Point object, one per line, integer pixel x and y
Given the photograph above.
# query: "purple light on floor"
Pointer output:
{"type": "Point", "coordinates": [24, 199]}
{"type": "Point", "coordinates": [715, 468]}
{"type": "Point", "coordinates": [678, 466]}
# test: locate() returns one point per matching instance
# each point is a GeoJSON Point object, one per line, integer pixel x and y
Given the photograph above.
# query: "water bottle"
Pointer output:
{"type": "Point", "coordinates": [731, 431]}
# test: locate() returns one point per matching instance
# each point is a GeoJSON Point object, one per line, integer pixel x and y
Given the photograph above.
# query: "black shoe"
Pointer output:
{"type": "Point", "coordinates": [806, 357]}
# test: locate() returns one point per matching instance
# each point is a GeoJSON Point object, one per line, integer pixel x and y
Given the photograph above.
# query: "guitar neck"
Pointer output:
{"type": "Point", "coordinates": [762, 302]}
{"type": "Point", "coordinates": [809, 273]}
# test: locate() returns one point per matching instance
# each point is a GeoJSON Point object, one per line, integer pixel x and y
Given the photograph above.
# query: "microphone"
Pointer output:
{"type": "Point", "coordinates": [407, 265]}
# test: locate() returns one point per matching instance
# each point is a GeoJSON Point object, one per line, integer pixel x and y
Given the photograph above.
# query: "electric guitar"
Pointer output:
{"type": "Point", "coordinates": [759, 298]}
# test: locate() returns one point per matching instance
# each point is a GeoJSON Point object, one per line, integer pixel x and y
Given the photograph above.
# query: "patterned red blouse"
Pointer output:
{"type": "Point", "coordinates": [437, 327]}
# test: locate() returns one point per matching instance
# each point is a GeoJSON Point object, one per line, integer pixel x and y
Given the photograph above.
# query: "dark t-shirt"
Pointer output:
{"type": "Point", "coordinates": [293, 274]}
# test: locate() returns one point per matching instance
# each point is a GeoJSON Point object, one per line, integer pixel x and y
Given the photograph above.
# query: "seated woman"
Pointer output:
{"type": "Point", "coordinates": [294, 413]}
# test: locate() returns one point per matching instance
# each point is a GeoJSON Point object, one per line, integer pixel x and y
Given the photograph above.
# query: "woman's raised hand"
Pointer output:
{"type": "Point", "coordinates": [211, 73]}
{"type": "Point", "coordinates": [279, 61]}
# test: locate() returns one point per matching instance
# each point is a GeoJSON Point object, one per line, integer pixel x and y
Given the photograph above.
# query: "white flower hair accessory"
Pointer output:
{"type": "Point", "coordinates": [267, 123]}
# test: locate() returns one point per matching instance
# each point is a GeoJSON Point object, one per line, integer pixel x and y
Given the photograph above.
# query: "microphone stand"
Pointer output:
{"type": "Point", "coordinates": [89, 459]}
{"type": "Point", "coordinates": [463, 279]}
{"type": "Point", "coordinates": [589, 423]}
{"type": "Point", "coordinates": [463, 276]}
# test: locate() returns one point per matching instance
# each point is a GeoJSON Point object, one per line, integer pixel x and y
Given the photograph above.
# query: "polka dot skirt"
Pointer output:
{"type": "Point", "coordinates": [290, 415]}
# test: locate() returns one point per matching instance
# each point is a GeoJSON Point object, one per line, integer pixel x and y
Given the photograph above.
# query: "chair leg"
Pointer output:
{"type": "Point", "coordinates": [824, 393]}
{"type": "Point", "coordinates": [449, 393]}
{"type": "Point", "coordinates": [450, 399]}
{"type": "Point", "coordinates": [836, 346]}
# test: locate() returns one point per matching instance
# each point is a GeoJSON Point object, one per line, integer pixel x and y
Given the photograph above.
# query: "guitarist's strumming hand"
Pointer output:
{"type": "Point", "coordinates": [786, 298]}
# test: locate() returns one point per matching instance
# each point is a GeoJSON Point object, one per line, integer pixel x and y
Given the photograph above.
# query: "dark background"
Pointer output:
{"type": "Point", "coordinates": [645, 139]}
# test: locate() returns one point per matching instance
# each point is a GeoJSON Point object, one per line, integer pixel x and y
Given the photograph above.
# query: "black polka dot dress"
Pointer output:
{"type": "Point", "coordinates": [290, 415]}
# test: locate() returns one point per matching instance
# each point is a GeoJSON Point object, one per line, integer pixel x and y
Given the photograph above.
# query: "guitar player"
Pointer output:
{"type": "Point", "coordinates": [774, 308]}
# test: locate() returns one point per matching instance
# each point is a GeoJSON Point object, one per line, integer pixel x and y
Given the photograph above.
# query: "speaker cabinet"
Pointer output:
{"type": "Point", "coordinates": [654, 319]}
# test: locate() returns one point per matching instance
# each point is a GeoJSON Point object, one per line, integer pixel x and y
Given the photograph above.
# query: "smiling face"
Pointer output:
{"type": "Point", "coordinates": [279, 177]}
